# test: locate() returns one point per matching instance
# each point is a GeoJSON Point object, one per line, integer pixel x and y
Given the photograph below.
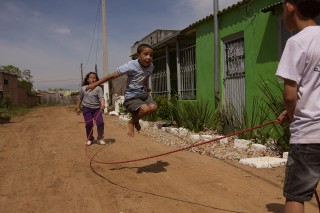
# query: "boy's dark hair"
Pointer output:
{"type": "Point", "coordinates": [307, 8]}
{"type": "Point", "coordinates": [85, 81]}
{"type": "Point", "coordinates": [143, 46]}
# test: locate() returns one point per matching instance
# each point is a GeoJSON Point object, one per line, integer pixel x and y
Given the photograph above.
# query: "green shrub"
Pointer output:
{"type": "Point", "coordinates": [193, 115]}
{"type": "Point", "coordinates": [163, 112]}
{"type": "Point", "coordinates": [4, 116]}
{"type": "Point", "coordinates": [272, 92]}
{"type": "Point", "coordinates": [6, 102]}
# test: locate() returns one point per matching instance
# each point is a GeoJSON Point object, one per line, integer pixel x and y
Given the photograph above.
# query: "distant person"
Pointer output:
{"type": "Point", "coordinates": [299, 68]}
{"type": "Point", "coordinates": [137, 98]}
{"type": "Point", "coordinates": [92, 108]}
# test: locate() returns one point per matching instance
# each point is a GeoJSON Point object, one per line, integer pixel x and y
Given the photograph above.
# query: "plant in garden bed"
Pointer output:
{"type": "Point", "coordinates": [4, 116]}
{"type": "Point", "coordinates": [258, 116]}
{"type": "Point", "coordinates": [193, 115]}
{"type": "Point", "coordinates": [275, 105]}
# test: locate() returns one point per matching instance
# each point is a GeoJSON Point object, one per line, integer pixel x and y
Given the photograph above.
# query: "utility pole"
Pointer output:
{"type": "Point", "coordinates": [216, 51]}
{"type": "Point", "coordinates": [81, 70]}
{"type": "Point", "coordinates": [105, 55]}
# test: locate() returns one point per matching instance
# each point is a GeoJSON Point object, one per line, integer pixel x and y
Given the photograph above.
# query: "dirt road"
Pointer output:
{"type": "Point", "coordinates": [44, 168]}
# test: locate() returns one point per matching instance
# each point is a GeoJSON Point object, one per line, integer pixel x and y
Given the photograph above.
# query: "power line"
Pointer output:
{"type": "Point", "coordinates": [93, 34]}
{"type": "Point", "coordinates": [58, 80]}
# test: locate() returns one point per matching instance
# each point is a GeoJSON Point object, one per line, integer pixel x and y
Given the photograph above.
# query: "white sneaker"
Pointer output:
{"type": "Point", "coordinates": [102, 142]}
{"type": "Point", "coordinates": [89, 142]}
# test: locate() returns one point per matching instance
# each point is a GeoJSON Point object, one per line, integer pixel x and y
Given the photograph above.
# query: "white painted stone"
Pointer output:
{"type": "Point", "coordinates": [241, 144]}
{"type": "Point", "coordinates": [174, 131]}
{"type": "Point", "coordinates": [144, 123]}
{"type": "Point", "coordinates": [224, 141]}
{"type": "Point", "coordinates": [257, 146]}
{"type": "Point", "coordinates": [118, 100]}
{"type": "Point", "coordinates": [114, 113]}
{"type": "Point", "coordinates": [195, 138]}
{"type": "Point", "coordinates": [124, 118]}
{"type": "Point", "coordinates": [165, 129]}
{"type": "Point", "coordinates": [183, 131]}
{"type": "Point", "coordinates": [264, 162]}
{"type": "Point", "coordinates": [285, 155]}
{"type": "Point", "coordinates": [206, 137]}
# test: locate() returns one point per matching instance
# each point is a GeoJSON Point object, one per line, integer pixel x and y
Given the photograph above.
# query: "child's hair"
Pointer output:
{"type": "Point", "coordinates": [307, 8]}
{"type": "Point", "coordinates": [85, 81]}
{"type": "Point", "coordinates": [143, 46]}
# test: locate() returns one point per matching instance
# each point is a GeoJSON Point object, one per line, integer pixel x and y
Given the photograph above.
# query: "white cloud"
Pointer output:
{"type": "Point", "coordinates": [61, 30]}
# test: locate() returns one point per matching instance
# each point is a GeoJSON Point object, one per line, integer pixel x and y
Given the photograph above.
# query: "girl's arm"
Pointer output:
{"type": "Point", "coordinates": [102, 106]}
{"type": "Point", "coordinates": [78, 102]}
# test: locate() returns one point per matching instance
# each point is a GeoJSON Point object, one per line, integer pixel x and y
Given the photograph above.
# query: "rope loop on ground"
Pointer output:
{"type": "Point", "coordinates": [177, 150]}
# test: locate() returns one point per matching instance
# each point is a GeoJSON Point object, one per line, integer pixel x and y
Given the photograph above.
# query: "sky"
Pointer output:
{"type": "Point", "coordinates": [52, 38]}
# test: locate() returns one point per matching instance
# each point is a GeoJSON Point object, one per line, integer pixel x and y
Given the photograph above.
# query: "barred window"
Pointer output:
{"type": "Point", "coordinates": [159, 77]}
{"type": "Point", "coordinates": [187, 87]}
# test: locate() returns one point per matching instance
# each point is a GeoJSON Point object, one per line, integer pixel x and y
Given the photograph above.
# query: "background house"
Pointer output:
{"type": "Point", "coordinates": [18, 95]}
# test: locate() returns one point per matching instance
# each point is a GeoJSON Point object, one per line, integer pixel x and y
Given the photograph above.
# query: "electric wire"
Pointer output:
{"type": "Point", "coordinates": [93, 35]}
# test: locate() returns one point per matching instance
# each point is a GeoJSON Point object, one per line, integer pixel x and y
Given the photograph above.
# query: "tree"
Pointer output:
{"type": "Point", "coordinates": [12, 69]}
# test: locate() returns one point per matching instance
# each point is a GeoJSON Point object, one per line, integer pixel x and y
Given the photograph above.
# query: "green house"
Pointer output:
{"type": "Point", "coordinates": [249, 42]}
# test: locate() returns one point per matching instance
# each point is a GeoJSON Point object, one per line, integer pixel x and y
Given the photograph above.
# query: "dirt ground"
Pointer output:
{"type": "Point", "coordinates": [44, 168]}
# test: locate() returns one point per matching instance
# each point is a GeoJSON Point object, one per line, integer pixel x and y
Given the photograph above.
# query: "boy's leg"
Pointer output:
{"type": "Point", "coordinates": [148, 110]}
{"type": "Point", "coordinates": [143, 111]}
{"type": "Point", "coordinates": [302, 175]}
{"type": "Point", "coordinates": [293, 207]}
{"type": "Point", "coordinates": [139, 108]}
{"type": "Point", "coordinates": [130, 128]}
{"type": "Point", "coordinates": [134, 122]}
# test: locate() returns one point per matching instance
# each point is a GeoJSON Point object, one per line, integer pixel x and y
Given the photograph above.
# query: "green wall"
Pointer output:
{"type": "Point", "coordinates": [205, 62]}
{"type": "Point", "coordinates": [260, 32]}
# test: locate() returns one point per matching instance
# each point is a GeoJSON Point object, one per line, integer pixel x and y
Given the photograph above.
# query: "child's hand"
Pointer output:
{"type": "Point", "coordinates": [283, 118]}
{"type": "Point", "coordinates": [90, 87]}
{"type": "Point", "coordinates": [78, 110]}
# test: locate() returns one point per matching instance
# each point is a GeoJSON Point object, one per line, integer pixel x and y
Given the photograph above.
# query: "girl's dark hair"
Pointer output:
{"type": "Point", "coordinates": [307, 8]}
{"type": "Point", "coordinates": [85, 81]}
{"type": "Point", "coordinates": [143, 46]}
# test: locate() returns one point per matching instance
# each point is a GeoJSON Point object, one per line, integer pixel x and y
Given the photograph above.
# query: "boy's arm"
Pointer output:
{"type": "Point", "coordinates": [290, 97]}
{"type": "Point", "coordinates": [109, 77]}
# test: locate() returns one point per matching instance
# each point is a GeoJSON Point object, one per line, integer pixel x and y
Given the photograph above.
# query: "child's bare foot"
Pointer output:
{"type": "Point", "coordinates": [130, 129]}
{"type": "Point", "coordinates": [137, 126]}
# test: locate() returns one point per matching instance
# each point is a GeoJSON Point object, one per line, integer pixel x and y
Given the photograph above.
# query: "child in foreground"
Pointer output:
{"type": "Point", "coordinates": [299, 68]}
{"type": "Point", "coordinates": [137, 99]}
{"type": "Point", "coordinates": [92, 108]}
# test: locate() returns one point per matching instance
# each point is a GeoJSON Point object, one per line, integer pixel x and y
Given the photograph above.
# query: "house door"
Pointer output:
{"type": "Point", "coordinates": [234, 76]}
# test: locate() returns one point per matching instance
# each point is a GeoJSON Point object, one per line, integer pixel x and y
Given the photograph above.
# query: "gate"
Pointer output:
{"type": "Point", "coordinates": [234, 76]}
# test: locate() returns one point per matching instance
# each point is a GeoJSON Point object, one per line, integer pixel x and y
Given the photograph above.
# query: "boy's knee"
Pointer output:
{"type": "Point", "coordinates": [153, 107]}
{"type": "Point", "coordinates": [144, 109]}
